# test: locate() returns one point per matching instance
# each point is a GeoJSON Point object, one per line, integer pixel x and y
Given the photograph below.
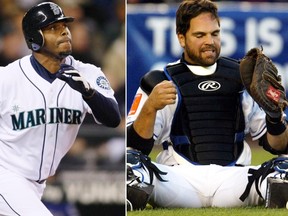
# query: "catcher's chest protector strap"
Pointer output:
{"type": "Point", "coordinates": [208, 124]}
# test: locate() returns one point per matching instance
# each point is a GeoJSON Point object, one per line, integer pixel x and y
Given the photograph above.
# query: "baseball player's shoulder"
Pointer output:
{"type": "Point", "coordinates": [229, 62]}
{"type": "Point", "coordinates": [9, 71]}
{"type": "Point", "coordinates": [151, 79]}
{"type": "Point", "coordinates": [92, 73]}
{"type": "Point", "coordinates": [81, 66]}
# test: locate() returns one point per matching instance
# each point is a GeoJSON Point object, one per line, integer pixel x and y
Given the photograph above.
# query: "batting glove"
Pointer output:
{"type": "Point", "coordinates": [72, 77]}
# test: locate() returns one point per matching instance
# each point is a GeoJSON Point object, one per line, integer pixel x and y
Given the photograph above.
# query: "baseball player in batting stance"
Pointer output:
{"type": "Point", "coordinates": [197, 109]}
{"type": "Point", "coordinates": [44, 98]}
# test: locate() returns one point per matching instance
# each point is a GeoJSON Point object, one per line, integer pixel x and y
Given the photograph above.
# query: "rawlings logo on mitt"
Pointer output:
{"type": "Point", "coordinates": [260, 77]}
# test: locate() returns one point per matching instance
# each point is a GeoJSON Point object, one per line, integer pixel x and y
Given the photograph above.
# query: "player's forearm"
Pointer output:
{"type": "Point", "coordinates": [105, 110]}
{"type": "Point", "coordinates": [144, 124]}
{"type": "Point", "coordinates": [140, 133]}
{"type": "Point", "coordinates": [277, 134]}
{"type": "Point", "coordinates": [279, 142]}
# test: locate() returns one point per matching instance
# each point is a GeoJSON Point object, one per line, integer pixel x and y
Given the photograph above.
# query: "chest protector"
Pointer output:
{"type": "Point", "coordinates": [208, 124]}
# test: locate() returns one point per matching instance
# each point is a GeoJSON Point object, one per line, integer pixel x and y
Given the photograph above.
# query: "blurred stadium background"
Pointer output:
{"type": "Point", "coordinates": [90, 179]}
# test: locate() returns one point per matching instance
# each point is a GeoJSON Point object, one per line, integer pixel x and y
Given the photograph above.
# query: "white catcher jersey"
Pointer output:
{"type": "Point", "coordinates": [254, 119]}
{"type": "Point", "coordinates": [39, 121]}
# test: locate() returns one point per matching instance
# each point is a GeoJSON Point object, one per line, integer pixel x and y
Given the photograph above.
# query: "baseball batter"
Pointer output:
{"type": "Point", "coordinates": [44, 98]}
{"type": "Point", "coordinates": [197, 109]}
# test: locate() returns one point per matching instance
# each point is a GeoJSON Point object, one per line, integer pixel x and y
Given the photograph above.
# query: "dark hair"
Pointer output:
{"type": "Point", "coordinates": [190, 9]}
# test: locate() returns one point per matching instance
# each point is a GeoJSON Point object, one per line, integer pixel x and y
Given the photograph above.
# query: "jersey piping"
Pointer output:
{"type": "Point", "coordinates": [44, 135]}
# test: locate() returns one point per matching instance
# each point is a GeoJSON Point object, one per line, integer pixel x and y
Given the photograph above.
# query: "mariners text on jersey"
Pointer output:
{"type": "Point", "coordinates": [54, 115]}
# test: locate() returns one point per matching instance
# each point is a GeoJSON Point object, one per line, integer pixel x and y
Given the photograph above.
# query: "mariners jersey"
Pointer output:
{"type": "Point", "coordinates": [39, 120]}
{"type": "Point", "coordinates": [254, 117]}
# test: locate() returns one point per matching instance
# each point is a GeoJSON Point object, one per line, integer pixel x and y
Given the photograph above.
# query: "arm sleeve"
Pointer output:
{"type": "Point", "coordinates": [137, 142]}
{"type": "Point", "coordinates": [266, 146]}
{"type": "Point", "coordinates": [105, 110]}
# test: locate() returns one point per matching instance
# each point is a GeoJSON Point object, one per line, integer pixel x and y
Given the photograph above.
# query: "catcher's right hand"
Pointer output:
{"type": "Point", "coordinates": [164, 93]}
{"type": "Point", "coordinates": [260, 77]}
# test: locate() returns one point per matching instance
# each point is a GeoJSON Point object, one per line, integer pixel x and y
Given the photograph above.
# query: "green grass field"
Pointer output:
{"type": "Point", "coordinates": [258, 157]}
{"type": "Point", "coordinates": [258, 154]}
{"type": "Point", "coordinates": [255, 211]}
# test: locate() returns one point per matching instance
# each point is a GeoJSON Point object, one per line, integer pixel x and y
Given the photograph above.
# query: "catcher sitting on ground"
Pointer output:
{"type": "Point", "coordinates": [201, 112]}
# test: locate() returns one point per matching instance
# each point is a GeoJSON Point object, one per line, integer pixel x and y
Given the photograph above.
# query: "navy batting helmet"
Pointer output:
{"type": "Point", "coordinates": [38, 17]}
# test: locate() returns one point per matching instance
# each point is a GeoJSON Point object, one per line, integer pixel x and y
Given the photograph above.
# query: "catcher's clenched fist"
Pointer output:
{"type": "Point", "coordinates": [163, 94]}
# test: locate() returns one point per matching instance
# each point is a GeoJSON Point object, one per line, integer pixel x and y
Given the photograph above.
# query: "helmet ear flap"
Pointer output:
{"type": "Point", "coordinates": [36, 41]}
{"type": "Point", "coordinates": [35, 47]}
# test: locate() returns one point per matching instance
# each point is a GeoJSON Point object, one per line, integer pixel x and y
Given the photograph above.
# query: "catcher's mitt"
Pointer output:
{"type": "Point", "coordinates": [260, 77]}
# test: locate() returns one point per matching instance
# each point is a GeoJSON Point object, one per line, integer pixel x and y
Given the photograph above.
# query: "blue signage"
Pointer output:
{"type": "Point", "coordinates": [152, 41]}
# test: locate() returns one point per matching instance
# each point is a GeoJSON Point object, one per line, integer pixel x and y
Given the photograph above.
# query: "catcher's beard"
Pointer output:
{"type": "Point", "coordinates": [197, 59]}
